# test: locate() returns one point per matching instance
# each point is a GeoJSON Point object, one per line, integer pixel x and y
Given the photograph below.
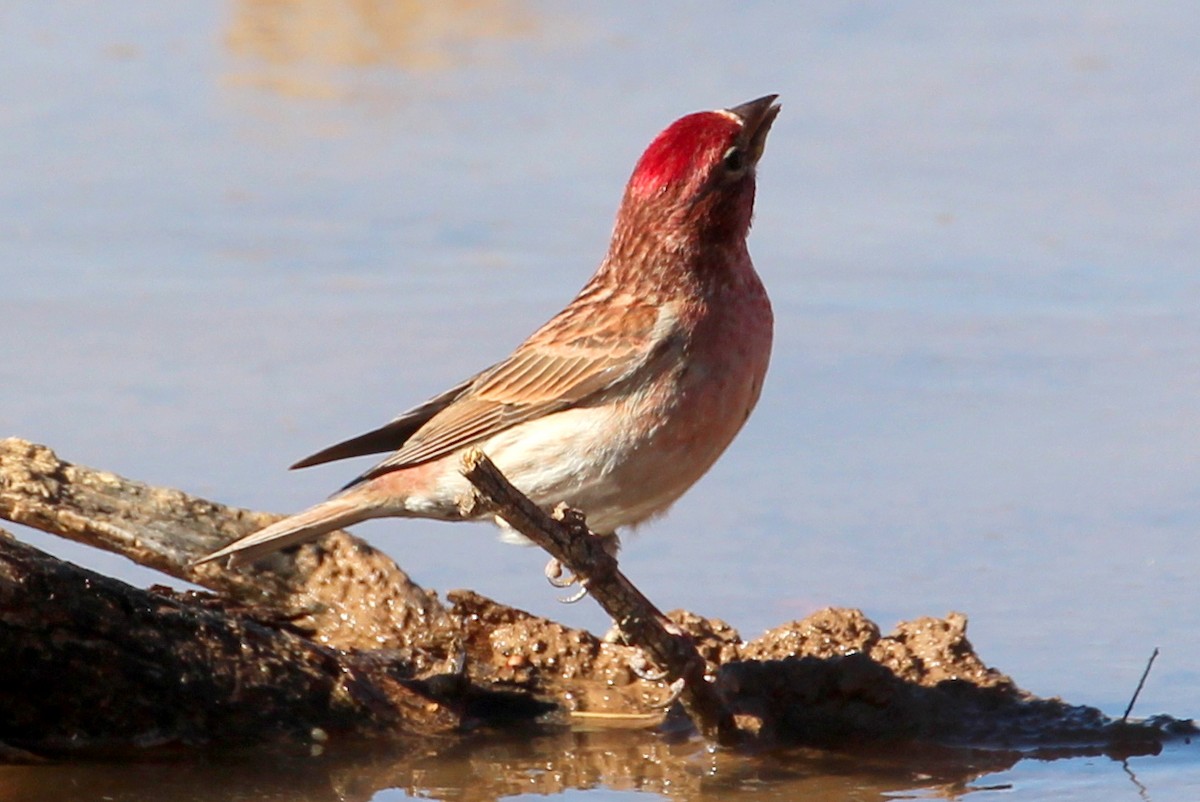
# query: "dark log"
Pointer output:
{"type": "Point", "coordinates": [94, 665]}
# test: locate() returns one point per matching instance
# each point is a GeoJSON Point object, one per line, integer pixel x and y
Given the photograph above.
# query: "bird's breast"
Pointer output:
{"type": "Point", "coordinates": [634, 452]}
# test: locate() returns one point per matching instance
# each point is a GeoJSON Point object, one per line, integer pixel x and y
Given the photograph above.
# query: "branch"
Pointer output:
{"type": "Point", "coordinates": [567, 539]}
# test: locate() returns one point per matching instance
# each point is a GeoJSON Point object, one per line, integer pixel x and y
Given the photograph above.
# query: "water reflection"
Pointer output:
{"type": "Point", "coordinates": [495, 768]}
{"type": "Point", "coordinates": [290, 46]}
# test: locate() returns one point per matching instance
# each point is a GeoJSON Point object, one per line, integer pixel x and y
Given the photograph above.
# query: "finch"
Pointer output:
{"type": "Point", "coordinates": [626, 397]}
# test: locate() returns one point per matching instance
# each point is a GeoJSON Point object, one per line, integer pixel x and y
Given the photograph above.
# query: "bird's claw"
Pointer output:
{"type": "Point", "coordinates": [557, 577]}
{"type": "Point", "coordinates": [576, 596]}
{"type": "Point", "coordinates": [641, 668]}
{"type": "Point", "coordinates": [675, 690]}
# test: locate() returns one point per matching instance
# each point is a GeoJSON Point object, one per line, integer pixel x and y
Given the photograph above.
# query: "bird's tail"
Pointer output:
{"type": "Point", "coordinates": [337, 512]}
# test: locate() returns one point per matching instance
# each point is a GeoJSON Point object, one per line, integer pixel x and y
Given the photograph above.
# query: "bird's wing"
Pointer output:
{"type": "Point", "coordinates": [389, 437]}
{"type": "Point", "coordinates": [573, 359]}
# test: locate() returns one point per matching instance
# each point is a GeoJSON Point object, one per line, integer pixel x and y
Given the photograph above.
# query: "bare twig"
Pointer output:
{"type": "Point", "coordinates": [566, 537]}
{"type": "Point", "coordinates": [1141, 682]}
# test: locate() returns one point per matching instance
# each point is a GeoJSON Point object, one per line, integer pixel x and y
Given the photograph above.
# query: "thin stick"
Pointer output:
{"type": "Point", "coordinates": [1141, 682]}
{"type": "Point", "coordinates": [566, 537]}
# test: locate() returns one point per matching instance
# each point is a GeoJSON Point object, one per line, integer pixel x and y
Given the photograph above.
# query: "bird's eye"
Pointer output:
{"type": "Point", "coordinates": [734, 160]}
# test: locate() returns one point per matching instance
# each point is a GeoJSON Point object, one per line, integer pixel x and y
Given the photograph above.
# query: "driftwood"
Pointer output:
{"type": "Point", "coordinates": [332, 641]}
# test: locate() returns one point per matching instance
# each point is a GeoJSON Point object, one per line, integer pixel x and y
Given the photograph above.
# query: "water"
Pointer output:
{"type": "Point", "coordinates": [232, 234]}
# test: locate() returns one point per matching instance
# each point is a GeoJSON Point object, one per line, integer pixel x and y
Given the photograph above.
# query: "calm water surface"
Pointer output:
{"type": "Point", "coordinates": [233, 233]}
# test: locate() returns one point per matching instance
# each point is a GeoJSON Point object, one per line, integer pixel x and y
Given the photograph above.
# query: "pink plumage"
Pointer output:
{"type": "Point", "coordinates": [625, 398]}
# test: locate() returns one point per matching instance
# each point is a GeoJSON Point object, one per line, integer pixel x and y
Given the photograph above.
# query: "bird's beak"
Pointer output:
{"type": "Point", "coordinates": [756, 117]}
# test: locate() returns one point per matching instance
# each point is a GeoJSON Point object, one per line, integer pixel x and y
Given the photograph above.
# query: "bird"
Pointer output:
{"type": "Point", "coordinates": [624, 399]}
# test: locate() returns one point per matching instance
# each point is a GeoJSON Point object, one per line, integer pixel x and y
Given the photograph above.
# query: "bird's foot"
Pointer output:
{"type": "Point", "coordinates": [559, 578]}
{"type": "Point", "coordinates": [674, 691]}
{"type": "Point", "coordinates": [642, 669]}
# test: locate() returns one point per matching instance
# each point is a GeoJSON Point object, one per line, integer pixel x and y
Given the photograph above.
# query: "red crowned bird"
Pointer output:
{"type": "Point", "coordinates": [627, 396]}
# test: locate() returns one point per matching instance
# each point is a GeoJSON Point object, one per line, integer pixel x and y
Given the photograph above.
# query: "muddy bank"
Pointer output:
{"type": "Point", "coordinates": [333, 643]}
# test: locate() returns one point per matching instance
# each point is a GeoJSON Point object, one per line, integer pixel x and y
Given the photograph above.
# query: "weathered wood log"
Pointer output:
{"type": "Point", "coordinates": [333, 638]}
{"type": "Point", "coordinates": [342, 595]}
{"type": "Point", "coordinates": [347, 592]}
{"type": "Point", "coordinates": [94, 665]}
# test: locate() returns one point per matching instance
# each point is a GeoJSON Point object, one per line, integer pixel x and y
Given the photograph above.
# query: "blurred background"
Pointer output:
{"type": "Point", "coordinates": [233, 233]}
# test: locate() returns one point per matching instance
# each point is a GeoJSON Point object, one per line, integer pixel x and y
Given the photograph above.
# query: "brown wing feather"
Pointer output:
{"type": "Point", "coordinates": [391, 435]}
{"type": "Point", "coordinates": [564, 364]}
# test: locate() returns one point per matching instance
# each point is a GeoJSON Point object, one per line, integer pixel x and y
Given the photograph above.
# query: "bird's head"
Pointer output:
{"type": "Point", "coordinates": [695, 183]}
